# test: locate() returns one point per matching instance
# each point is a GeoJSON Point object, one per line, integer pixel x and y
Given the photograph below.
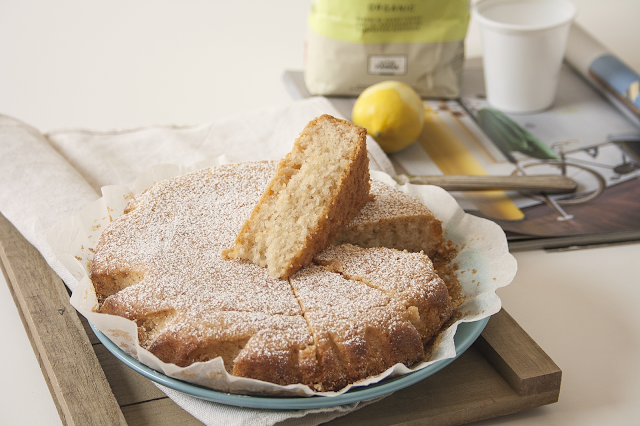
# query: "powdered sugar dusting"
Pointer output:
{"type": "Point", "coordinates": [175, 234]}
{"type": "Point", "coordinates": [164, 260]}
{"type": "Point", "coordinates": [408, 278]}
{"type": "Point", "coordinates": [394, 219]}
{"type": "Point", "coordinates": [398, 273]}
{"type": "Point", "coordinates": [389, 203]}
{"type": "Point", "coordinates": [358, 329]}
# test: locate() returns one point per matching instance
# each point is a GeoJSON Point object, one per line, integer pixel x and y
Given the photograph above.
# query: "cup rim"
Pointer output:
{"type": "Point", "coordinates": [477, 11]}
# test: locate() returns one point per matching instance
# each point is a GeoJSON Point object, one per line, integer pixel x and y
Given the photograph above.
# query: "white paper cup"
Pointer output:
{"type": "Point", "coordinates": [523, 43]}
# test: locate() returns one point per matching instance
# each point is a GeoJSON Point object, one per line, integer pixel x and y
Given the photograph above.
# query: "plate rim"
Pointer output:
{"type": "Point", "coordinates": [466, 334]}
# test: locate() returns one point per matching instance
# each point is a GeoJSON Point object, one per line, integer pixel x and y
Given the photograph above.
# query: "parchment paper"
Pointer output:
{"type": "Point", "coordinates": [483, 264]}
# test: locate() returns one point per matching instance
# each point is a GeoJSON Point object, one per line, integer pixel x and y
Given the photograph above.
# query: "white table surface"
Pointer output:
{"type": "Point", "coordinates": [119, 64]}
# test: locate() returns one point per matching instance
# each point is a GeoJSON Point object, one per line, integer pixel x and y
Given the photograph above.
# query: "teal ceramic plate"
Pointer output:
{"type": "Point", "coordinates": [466, 334]}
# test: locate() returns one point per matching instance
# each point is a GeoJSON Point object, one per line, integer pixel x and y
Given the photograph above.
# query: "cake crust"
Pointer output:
{"type": "Point", "coordinates": [359, 331]}
{"type": "Point", "coordinates": [394, 219]}
{"type": "Point", "coordinates": [408, 278]}
{"type": "Point", "coordinates": [324, 327]}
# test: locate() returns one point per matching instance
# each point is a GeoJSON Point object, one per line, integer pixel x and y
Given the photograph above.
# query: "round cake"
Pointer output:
{"type": "Point", "coordinates": [334, 322]}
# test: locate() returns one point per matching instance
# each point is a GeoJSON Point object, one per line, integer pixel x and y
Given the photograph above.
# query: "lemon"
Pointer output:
{"type": "Point", "coordinates": [391, 112]}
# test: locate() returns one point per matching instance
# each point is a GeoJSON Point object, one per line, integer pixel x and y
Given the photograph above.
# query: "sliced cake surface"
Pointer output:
{"type": "Point", "coordinates": [358, 330]}
{"type": "Point", "coordinates": [394, 219]}
{"type": "Point", "coordinates": [408, 278]}
{"type": "Point", "coordinates": [319, 187]}
{"type": "Point", "coordinates": [160, 266]}
{"type": "Point", "coordinates": [350, 314]}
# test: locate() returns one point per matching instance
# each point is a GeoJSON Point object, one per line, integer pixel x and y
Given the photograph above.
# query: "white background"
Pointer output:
{"type": "Point", "coordinates": [119, 64]}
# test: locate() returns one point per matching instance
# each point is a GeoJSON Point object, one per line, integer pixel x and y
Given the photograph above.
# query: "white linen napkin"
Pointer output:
{"type": "Point", "coordinates": [47, 177]}
{"type": "Point", "coordinates": [211, 413]}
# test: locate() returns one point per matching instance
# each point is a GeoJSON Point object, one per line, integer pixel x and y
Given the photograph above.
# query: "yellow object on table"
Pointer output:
{"type": "Point", "coordinates": [391, 112]}
{"type": "Point", "coordinates": [453, 158]}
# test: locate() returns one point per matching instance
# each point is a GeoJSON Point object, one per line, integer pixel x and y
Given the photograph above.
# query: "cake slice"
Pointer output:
{"type": "Point", "coordinates": [406, 277]}
{"type": "Point", "coordinates": [318, 188]}
{"type": "Point", "coordinates": [396, 220]}
{"type": "Point", "coordinates": [359, 331]}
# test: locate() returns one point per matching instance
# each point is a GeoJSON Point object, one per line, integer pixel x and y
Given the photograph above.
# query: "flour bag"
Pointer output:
{"type": "Point", "coordinates": [356, 43]}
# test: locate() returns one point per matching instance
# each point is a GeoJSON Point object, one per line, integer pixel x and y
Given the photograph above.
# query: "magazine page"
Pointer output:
{"type": "Point", "coordinates": [583, 136]}
{"type": "Point", "coordinates": [617, 81]}
{"type": "Point", "coordinates": [588, 135]}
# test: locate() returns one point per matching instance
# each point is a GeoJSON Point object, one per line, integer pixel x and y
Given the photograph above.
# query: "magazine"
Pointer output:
{"type": "Point", "coordinates": [591, 134]}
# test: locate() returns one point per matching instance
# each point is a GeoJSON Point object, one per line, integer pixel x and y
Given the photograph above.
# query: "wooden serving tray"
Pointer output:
{"type": "Point", "coordinates": [503, 372]}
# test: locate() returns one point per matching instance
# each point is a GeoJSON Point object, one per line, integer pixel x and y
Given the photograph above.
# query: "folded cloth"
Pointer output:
{"type": "Point", "coordinates": [38, 187]}
{"type": "Point", "coordinates": [47, 177]}
{"type": "Point", "coordinates": [117, 158]}
{"type": "Point", "coordinates": [211, 413]}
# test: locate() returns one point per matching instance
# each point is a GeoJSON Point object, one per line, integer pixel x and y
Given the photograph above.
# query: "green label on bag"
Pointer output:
{"type": "Point", "coordinates": [391, 21]}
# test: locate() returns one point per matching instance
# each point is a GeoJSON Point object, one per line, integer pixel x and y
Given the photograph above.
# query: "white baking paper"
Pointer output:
{"type": "Point", "coordinates": [483, 264]}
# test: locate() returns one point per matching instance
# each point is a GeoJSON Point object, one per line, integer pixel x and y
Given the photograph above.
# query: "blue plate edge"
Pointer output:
{"type": "Point", "coordinates": [466, 335]}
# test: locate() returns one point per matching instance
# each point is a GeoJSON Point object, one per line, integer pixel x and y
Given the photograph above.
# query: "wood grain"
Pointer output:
{"type": "Point", "coordinates": [518, 358]}
{"type": "Point", "coordinates": [66, 356]}
{"type": "Point", "coordinates": [30, 337]}
{"type": "Point", "coordinates": [160, 412]}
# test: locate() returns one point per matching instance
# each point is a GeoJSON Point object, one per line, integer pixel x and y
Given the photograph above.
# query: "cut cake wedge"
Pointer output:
{"type": "Point", "coordinates": [394, 219]}
{"type": "Point", "coordinates": [318, 188]}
